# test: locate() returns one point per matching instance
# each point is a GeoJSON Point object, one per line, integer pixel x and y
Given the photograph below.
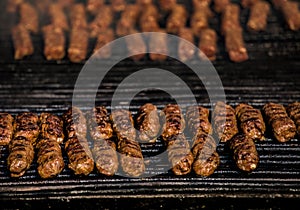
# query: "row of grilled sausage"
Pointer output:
{"type": "Point", "coordinates": [146, 16]}
{"type": "Point", "coordinates": [239, 127]}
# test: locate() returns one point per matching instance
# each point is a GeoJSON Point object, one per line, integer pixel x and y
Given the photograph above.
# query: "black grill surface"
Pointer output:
{"type": "Point", "coordinates": [271, 74]}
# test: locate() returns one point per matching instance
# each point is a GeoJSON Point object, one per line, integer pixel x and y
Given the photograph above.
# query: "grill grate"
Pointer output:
{"type": "Point", "coordinates": [271, 74]}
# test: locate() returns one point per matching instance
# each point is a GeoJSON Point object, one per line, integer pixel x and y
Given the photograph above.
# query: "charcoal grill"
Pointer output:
{"type": "Point", "coordinates": [271, 74]}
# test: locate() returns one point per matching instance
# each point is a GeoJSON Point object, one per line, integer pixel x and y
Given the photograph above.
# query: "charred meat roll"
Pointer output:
{"type": "Point", "coordinates": [50, 160]}
{"type": "Point", "coordinates": [293, 110]}
{"type": "Point", "coordinates": [79, 155]}
{"type": "Point", "coordinates": [94, 6]}
{"type": "Point", "coordinates": [105, 156]}
{"type": "Point", "coordinates": [21, 154]}
{"type": "Point", "coordinates": [290, 10]}
{"type": "Point", "coordinates": [251, 121]}
{"type": "Point", "coordinates": [29, 17]}
{"type": "Point", "coordinates": [186, 51]}
{"type": "Point", "coordinates": [177, 19]}
{"type": "Point", "coordinates": [6, 128]}
{"type": "Point", "coordinates": [104, 38]}
{"type": "Point", "coordinates": [12, 5]}
{"type": "Point", "coordinates": [197, 120]}
{"type": "Point", "coordinates": [51, 127]}
{"type": "Point", "coordinates": [244, 152]}
{"type": "Point", "coordinates": [173, 121]}
{"type": "Point", "coordinates": [147, 123]}
{"type": "Point", "coordinates": [75, 122]}
{"type": "Point", "coordinates": [131, 157]}
{"type": "Point", "coordinates": [78, 17]}
{"type": "Point", "coordinates": [258, 16]}
{"type": "Point", "coordinates": [54, 43]}
{"type": "Point", "coordinates": [27, 125]}
{"type": "Point", "coordinates": [283, 127]}
{"type": "Point", "coordinates": [206, 159]}
{"type": "Point", "coordinates": [158, 43]}
{"type": "Point", "coordinates": [128, 20]}
{"type": "Point", "coordinates": [230, 18]}
{"type": "Point", "coordinates": [224, 121]}
{"type": "Point", "coordinates": [136, 46]}
{"type": "Point", "coordinates": [208, 44]}
{"type": "Point", "coordinates": [22, 42]}
{"type": "Point", "coordinates": [102, 21]}
{"type": "Point", "coordinates": [100, 126]}
{"type": "Point", "coordinates": [58, 17]}
{"type": "Point", "coordinates": [179, 154]}
{"type": "Point", "coordinates": [148, 21]}
{"type": "Point", "coordinates": [79, 40]}
{"type": "Point", "coordinates": [199, 19]}
{"type": "Point", "coordinates": [235, 45]}
{"type": "Point", "coordinates": [123, 124]}
{"type": "Point", "coordinates": [167, 5]}
{"type": "Point", "coordinates": [118, 5]}
{"type": "Point", "coordinates": [219, 5]}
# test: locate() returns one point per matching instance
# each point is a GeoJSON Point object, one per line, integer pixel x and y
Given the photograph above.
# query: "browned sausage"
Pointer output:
{"type": "Point", "coordinates": [248, 3]}
{"type": "Point", "coordinates": [94, 6]}
{"type": "Point", "coordinates": [78, 46]}
{"type": "Point", "coordinates": [29, 17]}
{"type": "Point", "coordinates": [186, 51]}
{"type": "Point", "coordinates": [149, 19]}
{"type": "Point", "coordinates": [159, 43]}
{"type": "Point", "coordinates": [219, 5]}
{"type": "Point", "coordinates": [177, 19]}
{"type": "Point", "coordinates": [136, 46]}
{"type": "Point", "coordinates": [258, 16]}
{"type": "Point", "coordinates": [291, 14]}
{"type": "Point", "coordinates": [75, 122]}
{"type": "Point", "coordinates": [22, 42]}
{"type": "Point", "coordinates": [104, 38]}
{"type": "Point", "coordinates": [251, 121]}
{"type": "Point", "coordinates": [283, 127]}
{"type": "Point", "coordinates": [12, 5]}
{"type": "Point", "coordinates": [118, 5]}
{"type": "Point", "coordinates": [224, 121]}
{"type": "Point", "coordinates": [102, 21]}
{"type": "Point", "coordinates": [6, 128]}
{"type": "Point", "coordinates": [78, 17]}
{"type": "Point", "coordinates": [51, 127]}
{"type": "Point", "coordinates": [58, 17]}
{"type": "Point", "coordinates": [147, 123]}
{"type": "Point", "coordinates": [244, 152]}
{"type": "Point", "coordinates": [54, 42]}
{"type": "Point", "coordinates": [128, 20]}
{"type": "Point", "coordinates": [293, 110]}
{"type": "Point", "coordinates": [208, 44]}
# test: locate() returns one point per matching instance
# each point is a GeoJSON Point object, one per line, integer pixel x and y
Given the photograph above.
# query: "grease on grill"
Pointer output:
{"type": "Point", "coordinates": [251, 121]}
{"type": "Point", "coordinates": [224, 121]}
{"type": "Point", "coordinates": [147, 123]}
{"type": "Point", "coordinates": [131, 157]}
{"type": "Point", "coordinates": [244, 152]}
{"type": "Point", "coordinates": [293, 110]}
{"type": "Point", "coordinates": [283, 127]}
{"type": "Point", "coordinates": [6, 128]}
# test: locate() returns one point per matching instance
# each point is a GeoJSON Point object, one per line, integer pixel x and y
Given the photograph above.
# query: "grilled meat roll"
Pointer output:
{"type": "Point", "coordinates": [6, 128]}
{"type": "Point", "coordinates": [94, 6]}
{"type": "Point", "coordinates": [293, 110]}
{"type": "Point", "coordinates": [244, 152]}
{"type": "Point", "coordinates": [148, 21]}
{"type": "Point", "coordinates": [208, 44]}
{"type": "Point", "coordinates": [197, 120]}
{"type": "Point", "coordinates": [27, 125]}
{"type": "Point", "coordinates": [224, 121]}
{"type": "Point", "coordinates": [290, 10]}
{"type": "Point", "coordinates": [186, 51]}
{"type": "Point", "coordinates": [147, 123]}
{"type": "Point", "coordinates": [102, 21]}
{"type": "Point", "coordinates": [206, 159]}
{"type": "Point", "coordinates": [75, 122]}
{"type": "Point", "coordinates": [167, 5]}
{"type": "Point", "coordinates": [128, 20]}
{"type": "Point", "coordinates": [219, 5]}
{"type": "Point", "coordinates": [283, 127]}
{"type": "Point", "coordinates": [136, 46]}
{"type": "Point", "coordinates": [173, 122]}
{"type": "Point", "coordinates": [99, 123]}
{"type": "Point", "coordinates": [22, 42]}
{"type": "Point", "coordinates": [51, 127]}
{"type": "Point", "coordinates": [249, 3]}
{"type": "Point", "coordinates": [158, 42]}
{"type": "Point", "coordinates": [29, 17]}
{"type": "Point", "coordinates": [78, 18]}
{"type": "Point", "coordinates": [118, 5]}
{"type": "Point", "coordinates": [177, 19]}
{"type": "Point", "coordinates": [258, 16]}
{"type": "Point", "coordinates": [12, 5]}
{"type": "Point", "coordinates": [54, 42]}
{"type": "Point", "coordinates": [79, 154]}
{"type": "Point", "coordinates": [131, 157]}
{"type": "Point", "coordinates": [79, 40]}
{"type": "Point", "coordinates": [199, 19]}
{"type": "Point", "coordinates": [21, 154]}
{"type": "Point", "coordinates": [50, 160]}
{"type": "Point", "coordinates": [251, 121]}
{"type": "Point", "coordinates": [104, 38]}
{"type": "Point", "coordinates": [58, 17]}
{"type": "Point", "coordinates": [179, 154]}
{"type": "Point", "coordinates": [105, 156]}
